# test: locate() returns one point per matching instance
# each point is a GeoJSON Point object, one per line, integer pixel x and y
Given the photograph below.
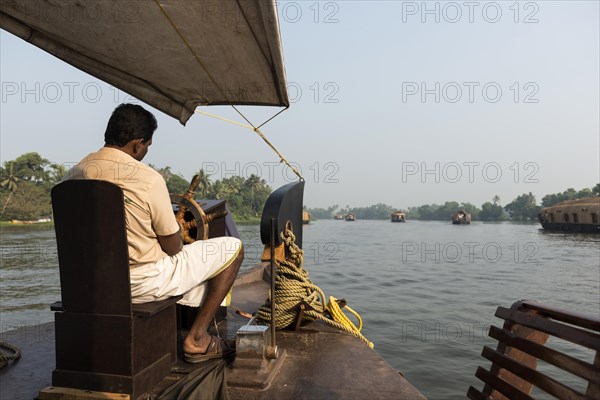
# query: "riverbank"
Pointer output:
{"type": "Point", "coordinates": [26, 223]}
{"type": "Point", "coordinates": [244, 221]}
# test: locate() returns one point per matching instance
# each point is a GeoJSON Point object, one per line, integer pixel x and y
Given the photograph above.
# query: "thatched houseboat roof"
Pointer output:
{"type": "Point", "coordinates": [586, 204]}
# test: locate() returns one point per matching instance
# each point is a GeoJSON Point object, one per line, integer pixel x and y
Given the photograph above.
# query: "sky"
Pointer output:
{"type": "Point", "coordinates": [396, 102]}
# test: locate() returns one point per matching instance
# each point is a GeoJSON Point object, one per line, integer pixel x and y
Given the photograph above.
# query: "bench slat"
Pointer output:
{"type": "Point", "coordinates": [593, 389]}
{"type": "Point", "coordinates": [538, 322]}
{"type": "Point", "coordinates": [475, 394]}
{"type": "Point", "coordinates": [500, 385]}
{"type": "Point", "coordinates": [588, 321]}
{"type": "Point", "coordinates": [540, 380]}
{"type": "Point", "coordinates": [554, 357]}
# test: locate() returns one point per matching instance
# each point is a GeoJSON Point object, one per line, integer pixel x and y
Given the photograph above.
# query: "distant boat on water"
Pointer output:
{"type": "Point", "coordinates": [338, 217]}
{"type": "Point", "coordinates": [350, 217]}
{"type": "Point", "coordinates": [579, 215]}
{"type": "Point", "coordinates": [461, 217]}
{"type": "Point", "coordinates": [398, 216]}
{"type": "Point", "coordinates": [305, 217]}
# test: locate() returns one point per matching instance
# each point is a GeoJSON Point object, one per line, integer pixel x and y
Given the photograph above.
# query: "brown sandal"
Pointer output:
{"type": "Point", "coordinates": [217, 348]}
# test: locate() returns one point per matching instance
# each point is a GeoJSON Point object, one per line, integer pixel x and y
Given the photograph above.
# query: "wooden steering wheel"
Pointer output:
{"type": "Point", "coordinates": [192, 220]}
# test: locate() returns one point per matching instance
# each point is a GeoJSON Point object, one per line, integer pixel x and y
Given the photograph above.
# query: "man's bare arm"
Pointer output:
{"type": "Point", "coordinates": [171, 244]}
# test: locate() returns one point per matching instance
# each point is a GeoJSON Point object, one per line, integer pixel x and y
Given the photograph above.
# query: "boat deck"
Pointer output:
{"type": "Point", "coordinates": [320, 362]}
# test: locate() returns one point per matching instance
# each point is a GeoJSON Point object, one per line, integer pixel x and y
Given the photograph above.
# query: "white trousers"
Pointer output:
{"type": "Point", "coordinates": [185, 273]}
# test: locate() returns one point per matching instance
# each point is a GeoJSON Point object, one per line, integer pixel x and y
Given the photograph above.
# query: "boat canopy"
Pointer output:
{"type": "Point", "coordinates": [173, 55]}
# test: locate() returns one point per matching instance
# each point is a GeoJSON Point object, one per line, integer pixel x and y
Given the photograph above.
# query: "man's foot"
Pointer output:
{"type": "Point", "coordinates": [217, 348]}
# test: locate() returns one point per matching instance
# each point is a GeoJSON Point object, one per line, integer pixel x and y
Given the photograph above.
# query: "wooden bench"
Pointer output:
{"type": "Point", "coordinates": [104, 342]}
{"type": "Point", "coordinates": [523, 341]}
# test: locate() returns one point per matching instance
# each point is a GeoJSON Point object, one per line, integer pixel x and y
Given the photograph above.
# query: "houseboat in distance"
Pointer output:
{"type": "Point", "coordinates": [398, 216]}
{"type": "Point", "coordinates": [305, 217]}
{"type": "Point", "coordinates": [350, 217]}
{"type": "Point", "coordinates": [579, 215]}
{"type": "Point", "coordinates": [339, 217]}
{"type": "Point", "coordinates": [461, 217]}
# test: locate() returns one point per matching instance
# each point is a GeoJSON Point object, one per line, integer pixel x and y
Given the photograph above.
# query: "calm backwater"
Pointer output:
{"type": "Point", "coordinates": [427, 291]}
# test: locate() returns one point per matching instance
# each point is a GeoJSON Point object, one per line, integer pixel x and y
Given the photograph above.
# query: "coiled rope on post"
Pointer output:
{"type": "Point", "coordinates": [292, 287]}
{"type": "Point", "coordinates": [5, 358]}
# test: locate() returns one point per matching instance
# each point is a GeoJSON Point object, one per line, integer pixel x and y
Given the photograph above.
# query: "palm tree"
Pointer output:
{"type": "Point", "coordinates": [219, 190]}
{"type": "Point", "coordinates": [496, 199]}
{"type": "Point", "coordinates": [9, 181]}
{"type": "Point", "coordinates": [232, 185]}
{"type": "Point", "coordinates": [253, 182]}
{"type": "Point", "coordinates": [204, 183]}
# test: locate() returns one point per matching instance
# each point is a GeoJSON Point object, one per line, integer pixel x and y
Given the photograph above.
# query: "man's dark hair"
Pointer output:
{"type": "Point", "coordinates": [129, 122]}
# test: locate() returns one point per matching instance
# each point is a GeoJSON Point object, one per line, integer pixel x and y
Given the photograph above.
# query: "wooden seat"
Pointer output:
{"type": "Point", "coordinates": [523, 341]}
{"type": "Point", "coordinates": [103, 342]}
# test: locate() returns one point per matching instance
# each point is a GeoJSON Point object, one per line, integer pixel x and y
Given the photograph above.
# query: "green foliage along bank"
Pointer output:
{"type": "Point", "coordinates": [246, 197]}
{"type": "Point", "coordinates": [570, 194]}
{"type": "Point", "coordinates": [522, 208]}
{"type": "Point", "coordinates": [25, 185]}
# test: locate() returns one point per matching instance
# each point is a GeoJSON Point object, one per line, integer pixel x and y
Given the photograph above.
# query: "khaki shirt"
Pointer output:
{"type": "Point", "coordinates": [148, 209]}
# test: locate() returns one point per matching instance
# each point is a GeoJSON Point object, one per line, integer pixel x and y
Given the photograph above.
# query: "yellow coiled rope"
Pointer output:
{"type": "Point", "coordinates": [292, 286]}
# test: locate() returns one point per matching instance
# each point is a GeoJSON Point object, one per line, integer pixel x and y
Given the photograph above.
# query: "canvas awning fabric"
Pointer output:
{"type": "Point", "coordinates": [173, 55]}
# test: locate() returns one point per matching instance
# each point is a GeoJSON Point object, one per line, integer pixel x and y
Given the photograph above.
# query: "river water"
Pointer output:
{"type": "Point", "coordinates": [427, 291]}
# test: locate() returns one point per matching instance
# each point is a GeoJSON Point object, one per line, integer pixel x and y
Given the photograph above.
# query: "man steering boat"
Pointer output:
{"type": "Point", "coordinates": [161, 266]}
